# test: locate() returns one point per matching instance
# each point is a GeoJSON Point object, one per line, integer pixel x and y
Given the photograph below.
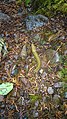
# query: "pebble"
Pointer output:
{"type": "Point", "coordinates": [25, 117]}
{"type": "Point", "coordinates": [22, 100]}
{"type": "Point", "coordinates": [4, 17]}
{"type": "Point", "coordinates": [44, 75]}
{"type": "Point", "coordinates": [35, 114]}
{"type": "Point", "coordinates": [50, 90]}
{"type": "Point", "coordinates": [56, 100]}
{"type": "Point", "coordinates": [58, 84]}
{"type": "Point", "coordinates": [1, 98]}
{"type": "Point", "coordinates": [44, 99]}
{"type": "Point", "coordinates": [26, 68]}
{"type": "Point", "coordinates": [57, 57]}
{"type": "Point", "coordinates": [16, 56]}
{"type": "Point", "coordinates": [65, 95]}
{"type": "Point", "coordinates": [56, 97]}
{"type": "Point", "coordinates": [4, 78]}
{"type": "Point", "coordinates": [36, 103]}
{"type": "Point", "coordinates": [65, 52]}
{"type": "Point", "coordinates": [37, 37]}
{"type": "Point", "coordinates": [14, 72]}
{"type": "Point", "coordinates": [41, 71]}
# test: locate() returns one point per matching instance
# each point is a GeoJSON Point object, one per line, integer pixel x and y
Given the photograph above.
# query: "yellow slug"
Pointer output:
{"type": "Point", "coordinates": [36, 57]}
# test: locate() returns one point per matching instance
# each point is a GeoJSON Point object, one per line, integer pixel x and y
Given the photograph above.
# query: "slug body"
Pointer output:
{"type": "Point", "coordinates": [36, 57]}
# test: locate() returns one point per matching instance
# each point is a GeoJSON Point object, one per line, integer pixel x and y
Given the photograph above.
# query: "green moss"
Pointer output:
{"type": "Point", "coordinates": [34, 97]}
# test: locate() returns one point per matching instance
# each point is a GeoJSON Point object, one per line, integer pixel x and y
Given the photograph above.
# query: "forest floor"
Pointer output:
{"type": "Point", "coordinates": [40, 94]}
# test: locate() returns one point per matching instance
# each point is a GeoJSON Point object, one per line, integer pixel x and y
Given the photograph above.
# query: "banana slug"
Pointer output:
{"type": "Point", "coordinates": [36, 57]}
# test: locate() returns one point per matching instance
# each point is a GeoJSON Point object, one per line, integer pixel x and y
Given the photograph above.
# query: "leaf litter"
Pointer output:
{"type": "Point", "coordinates": [40, 94]}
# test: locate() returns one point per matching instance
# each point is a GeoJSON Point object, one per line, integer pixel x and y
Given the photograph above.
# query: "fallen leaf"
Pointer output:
{"type": "Point", "coordinates": [5, 88]}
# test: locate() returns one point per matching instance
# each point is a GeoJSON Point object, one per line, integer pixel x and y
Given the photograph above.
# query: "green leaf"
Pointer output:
{"type": "Point", "coordinates": [5, 88]}
{"type": "Point", "coordinates": [27, 2]}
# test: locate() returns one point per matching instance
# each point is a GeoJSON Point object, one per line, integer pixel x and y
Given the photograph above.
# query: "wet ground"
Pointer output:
{"type": "Point", "coordinates": [36, 94]}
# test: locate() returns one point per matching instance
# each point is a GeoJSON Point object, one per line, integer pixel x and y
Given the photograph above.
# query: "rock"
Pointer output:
{"type": "Point", "coordinates": [41, 71]}
{"type": "Point", "coordinates": [56, 97]}
{"type": "Point", "coordinates": [24, 81]}
{"type": "Point", "coordinates": [36, 103]}
{"type": "Point", "coordinates": [58, 85]}
{"type": "Point", "coordinates": [22, 100]}
{"type": "Point", "coordinates": [35, 114]}
{"type": "Point", "coordinates": [34, 21]}
{"type": "Point", "coordinates": [4, 78]}
{"type": "Point", "coordinates": [65, 95]}
{"type": "Point", "coordinates": [44, 99]}
{"type": "Point", "coordinates": [26, 68]}
{"type": "Point", "coordinates": [57, 57]}
{"type": "Point", "coordinates": [1, 98]}
{"type": "Point", "coordinates": [50, 90]}
{"type": "Point", "coordinates": [25, 117]}
{"type": "Point", "coordinates": [14, 72]}
{"type": "Point", "coordinates": [65, 52]}
{"type": "Point", "coordinates": [4, 17]}
{"type": "Point", "coordinates": [37, 37]}
{"type": "Point", "coordinates": [44, 75]}
{"type": "Point", "coordinates": [56, 100]}
{"type": "Point", "coordinates": [52, 56]}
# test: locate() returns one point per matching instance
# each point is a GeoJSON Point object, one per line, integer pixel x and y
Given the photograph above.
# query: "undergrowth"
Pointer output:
{"type": "Point", "coordinates": [48, 7]}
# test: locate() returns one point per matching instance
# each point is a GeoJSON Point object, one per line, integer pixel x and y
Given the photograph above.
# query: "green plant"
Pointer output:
{"type": "Point", "coordinates": [63, 74]}
{"type": "Point", "coordinates": [49, 6]}
{"type": "Point", "coordinates": [25, 1]}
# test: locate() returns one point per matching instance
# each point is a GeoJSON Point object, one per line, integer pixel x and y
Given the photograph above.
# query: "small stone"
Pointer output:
{"type": "Point", "coordinates": [37, 37]}
{"type": "Point", "coordinates": [56, 97]}
{"type": "Point", "coordinates": [52, 55]}
{"type": "Point", "coordinates": [57, 57]}
{"type": "Point", "coordinates": [45, 88]}
{"type": "Point", "coordinates": [36, 103]}
{"type": "Point", "coordinates": [24, 80]}
{"type": "Point", "coordinates": [35, 114]}
{"type": "Point", "coordinates": [4, 78]}
{"type": "Point", "coordinates": [56, 100]}
{"type": "Point", "coordinates": [4, 17]}
{"type": "Point", "coordinates": [16, 56]}
{"type": "Point", "coordinates": [44, 99]}
{"type": "Point", "coordinates": [25, 117]}
{"type": "Point", "coordinates": [65, 52]}
{"type": "Point", "coordinates": [26, 68]}
{"type": "Point", "coordinates": [44, 75]}
{"type": "Point", "coordinates": [22, 100]}
{"type": "Point", "coordinates": [1, 98]}
{"type": "Point", "coordinates": [14, 72]}
{"type": "Point", "coordinates": [50, 90]}
{"type": "Point", "coordinates": [58, 84]}
{"type": "Point", "coordinates": [41, 71]}
{"type": "Point", "coordinates": [65, 95]}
